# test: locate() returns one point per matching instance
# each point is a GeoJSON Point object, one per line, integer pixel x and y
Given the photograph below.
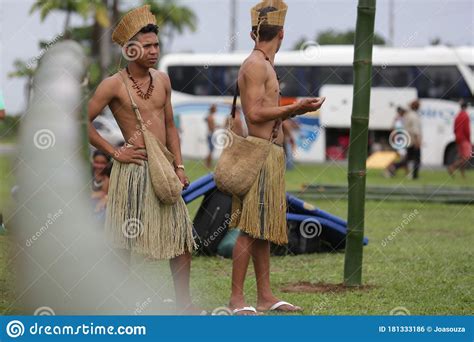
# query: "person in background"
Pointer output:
{"type": "Point", "coordinates": [238, 126]}
{"type": "Point", "coordinates": [101, 168]}
{"type": "Point", "coordinates": [177, 123]}
{"type": "Point", "coordinates": [413, 127]}
{"type": "Point", "coordinates": [211, 127]}
{"type": "Point", "coordinates": [462, 132]}
{"type": "Point", "coordinates": [290, 144]}
{"type": "Point", "coordinates": [398, 125]}
{"type": "Point", "coordinates": [412, 130]}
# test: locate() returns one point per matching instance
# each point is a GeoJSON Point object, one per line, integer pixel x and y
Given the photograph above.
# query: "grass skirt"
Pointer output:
{"type": "Point", "coordinates": [261, 213]}
{"type": "Point", "coordinates": [138, 221]}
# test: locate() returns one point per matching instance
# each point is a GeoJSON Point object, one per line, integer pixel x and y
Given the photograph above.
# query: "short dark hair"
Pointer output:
{"type": "Point", "coordinates": [463, 105]}
{"type": "Point", "coordinates": [266, 32]}
{"type": "Point", "coordinates": [147, 29]}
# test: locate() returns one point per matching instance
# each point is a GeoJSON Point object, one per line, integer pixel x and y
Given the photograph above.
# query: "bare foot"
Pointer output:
{"type": "Point", "coordinates": [239, 304]}
{"type": "Point", "coordinates": [267, 304]}
{"type": "Point", "coordinates": [451, 171]}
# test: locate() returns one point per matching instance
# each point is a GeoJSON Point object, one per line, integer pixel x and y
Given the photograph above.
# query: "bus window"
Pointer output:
{"type": "Point", "coordinates": [299, 81]}
{"type": "Point", "coordinates": [204, 80]}
{"type": "Point", "coordinates": [323, 75]}
{"type": "Point", "coordinates": [440, 82]}
{"type": "Point", "coordinates": [443, 82]}
{"type": "Point", "coordinates": [399, 76]}
{"type": "Point", "coordinates": [294, 81]}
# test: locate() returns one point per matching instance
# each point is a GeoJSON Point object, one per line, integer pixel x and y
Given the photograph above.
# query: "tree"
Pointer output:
{"type": "Point", "coordinates": [329, 37]}
{"type": "Point", "coordinates": [82, 7]}
{"type": "Point", "coordinates": [172, 18]}
{"type": "Point", "coordinates": [333, 37]}
{"type": "Point", "coordinates": [359, 141]}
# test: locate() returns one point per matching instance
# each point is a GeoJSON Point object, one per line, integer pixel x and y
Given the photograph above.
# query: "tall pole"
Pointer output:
{"type": "Point", "coordinates": [233, 24]}
{"type": "Point", "coordinates": [359, 141]}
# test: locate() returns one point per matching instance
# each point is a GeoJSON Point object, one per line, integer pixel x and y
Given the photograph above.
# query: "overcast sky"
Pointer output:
{"type": "Point", "coordinates": [416, 23]}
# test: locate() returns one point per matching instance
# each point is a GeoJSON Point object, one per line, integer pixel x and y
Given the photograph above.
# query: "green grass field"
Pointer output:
{"type": "Point", "coordinates": [425, 269]}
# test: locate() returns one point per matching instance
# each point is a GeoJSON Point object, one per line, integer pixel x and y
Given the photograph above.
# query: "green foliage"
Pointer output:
{"type": "Point", "coordinates": [9, 128]}
{"type": "Point", "coordinates": [334, 37]}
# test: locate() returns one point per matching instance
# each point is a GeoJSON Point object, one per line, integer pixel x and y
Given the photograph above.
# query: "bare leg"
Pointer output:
{"type": "Point", "coordinates": [181, 269]}
{"type": "Point", "coordinates": [261, 262]}
{"type": "Point", "coordinates": [240, 263]}
{"type": "Point", "coordinates": [463, 167]}
{"type": "Point", "coordinates": [455, 165]}
{"type": "Point", "coordinates": [209, 161]}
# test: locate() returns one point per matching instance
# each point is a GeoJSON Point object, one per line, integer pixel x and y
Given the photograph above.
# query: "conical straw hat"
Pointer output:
{"type": "Point", "coordinates": [131, 23]}
{"type": "Point", "coordinates": [276, 18]}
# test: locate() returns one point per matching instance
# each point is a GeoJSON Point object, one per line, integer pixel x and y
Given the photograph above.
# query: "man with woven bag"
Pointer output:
{"type": "Point", "coordinates": [145, 211]}
{"type": "Point", "coordinates": [261, 212]}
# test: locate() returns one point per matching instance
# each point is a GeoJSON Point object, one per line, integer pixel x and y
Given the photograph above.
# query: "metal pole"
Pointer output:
{"type": "Point", "coordinates": [233, 25]}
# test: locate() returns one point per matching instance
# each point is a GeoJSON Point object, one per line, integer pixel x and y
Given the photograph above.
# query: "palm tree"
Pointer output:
{"type": "Point", "coordinates": [82, 7]}
{"type": "Point", "coordinates": [24, 69]}
{"type": "Point", "coordinates": [172, 18]}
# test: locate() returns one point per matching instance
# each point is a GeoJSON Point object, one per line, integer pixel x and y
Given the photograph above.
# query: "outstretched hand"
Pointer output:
{"type": "Point", "coordinates": [308, 105]}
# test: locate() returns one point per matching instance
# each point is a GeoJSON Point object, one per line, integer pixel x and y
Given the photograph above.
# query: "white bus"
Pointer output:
{"type": "Point", "coordinates": [439, 76]}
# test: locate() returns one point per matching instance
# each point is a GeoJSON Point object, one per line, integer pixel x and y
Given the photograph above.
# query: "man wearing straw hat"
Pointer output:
{"type": "Point", "coordinates": [261, 214]}
{"type": "Point", "coordinates": [136, 219]}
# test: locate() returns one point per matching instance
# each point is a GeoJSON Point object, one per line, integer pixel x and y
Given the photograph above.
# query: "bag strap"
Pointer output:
{"type": "Point", "coordinates": [133, 104]}
{"type": "Point", "coordinates": [234, 102]}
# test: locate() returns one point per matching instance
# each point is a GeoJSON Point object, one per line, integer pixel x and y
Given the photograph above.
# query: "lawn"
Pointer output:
{"type": "Point", "coordinates": [426, 267]}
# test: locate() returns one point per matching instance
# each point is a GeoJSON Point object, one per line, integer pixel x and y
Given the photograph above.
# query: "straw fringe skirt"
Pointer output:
{"type": "Point", "coordinates": [262, 212]}
{"type": "Point", "coordinates": [138, 221]}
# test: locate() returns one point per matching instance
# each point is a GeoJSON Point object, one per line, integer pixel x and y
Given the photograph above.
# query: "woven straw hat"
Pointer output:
{"type": "Point", "coordinates": [131, 23]}
{"type": "Point", "coordinates": [276, 18]}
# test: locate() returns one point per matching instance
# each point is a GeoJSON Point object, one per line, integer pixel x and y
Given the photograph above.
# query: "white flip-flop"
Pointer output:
{"type": "Point", "coordinates": [245, 308]}
{"type": "Point", "coordinates": [275, 306]}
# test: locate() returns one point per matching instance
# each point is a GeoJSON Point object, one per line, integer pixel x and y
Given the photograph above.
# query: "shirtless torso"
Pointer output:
{"type": "Point", "coordinates": [156, 113]}
{"type": "Point", "coordinates": [151, 110]}
{"type": "Point", "coordinates": [256, 69]}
